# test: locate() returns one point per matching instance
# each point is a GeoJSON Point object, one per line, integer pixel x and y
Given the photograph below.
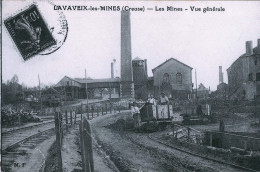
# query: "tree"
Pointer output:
{"type": "Point", "coordinates": [11, 91]}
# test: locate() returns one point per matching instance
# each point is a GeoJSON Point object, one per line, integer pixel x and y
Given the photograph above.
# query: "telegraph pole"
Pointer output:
{"type": "Point", "coordinates": [40, 91]}
{"type": "Point", "coordinates": [86, 85]}
{"type": "Point", "coordinates": [196, 84]}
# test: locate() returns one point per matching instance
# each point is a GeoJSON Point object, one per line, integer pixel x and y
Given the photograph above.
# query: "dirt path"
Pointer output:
{"type": "Point", "coordinates": [71, 157]}
{"type": "Point", "coordinates": [134, 151]}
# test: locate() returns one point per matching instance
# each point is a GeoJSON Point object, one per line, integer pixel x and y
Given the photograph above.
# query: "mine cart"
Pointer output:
{"type": "Point", "coordinates": [157, 113]}
{"type": "Point", "coordinates": [197, 117]}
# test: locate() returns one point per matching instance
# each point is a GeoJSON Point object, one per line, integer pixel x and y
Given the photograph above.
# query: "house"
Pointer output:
{"type": "Point", "coordinates": [244, 74]}
{"type": "Point", "coordinates": [174, 78]}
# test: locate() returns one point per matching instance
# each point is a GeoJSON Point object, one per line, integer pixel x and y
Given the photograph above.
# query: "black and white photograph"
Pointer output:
{"type": "Point", "coordinates": [130, 86]}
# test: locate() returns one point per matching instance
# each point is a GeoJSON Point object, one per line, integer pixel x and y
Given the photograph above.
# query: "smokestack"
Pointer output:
{"type": "Point", "coordinates": [220, 75]}
{"type": "Point", "coordinates": [249, 48]}
{"type": "Point", "coordinates": [126, 53]}
{"type": "Point", "coordinates": [258, 43]}
{"type": "Point", "coordinates": [145, 64]}
{"type": "Point", "coordinates": [126, 85]}
{"type": "Point", "coordinates": [112, 69]}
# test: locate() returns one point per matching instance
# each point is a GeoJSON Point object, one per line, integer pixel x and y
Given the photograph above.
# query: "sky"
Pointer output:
{"type": "Point", "coordinates": [203, 41]}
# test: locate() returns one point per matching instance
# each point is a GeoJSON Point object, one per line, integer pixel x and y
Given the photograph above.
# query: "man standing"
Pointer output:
{"type": "Point", "coordinates": [163, 101]}
{"type": "Point", "coordinates": [151, 100]}
{"type": "Point", "coordinates": [136, 115]}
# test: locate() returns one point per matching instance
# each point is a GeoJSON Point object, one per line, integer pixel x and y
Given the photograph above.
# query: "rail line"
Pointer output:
{"type": "Point", "coordinates": [201, 156]}
{"type": "Point", "coordinates": [26, 127]}
{"type": "Point", "coordinates": [169, 164]}
{"type": "Point", "coordinates": [21, 148]}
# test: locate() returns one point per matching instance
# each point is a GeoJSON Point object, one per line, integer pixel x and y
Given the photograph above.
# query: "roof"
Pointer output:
{"type": "Point", "coordinates": [202, 87]}
{"type": "Point", "coordinates": [168, 61]}
{"type": "Point", "coordinates": [137, 59]}
{"type": "Point", "coordinates": [240, 57]}
{"type": "Point", "coordinates": [256, 50]}
{"type": "Point", "coordinates": [104, 80]}
{"type": "Point", "coordinates": [82, 80]}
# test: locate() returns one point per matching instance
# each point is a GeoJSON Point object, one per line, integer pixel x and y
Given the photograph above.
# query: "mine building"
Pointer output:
{"type": "Point", "coordinates": [174, 78]}
{"type": "Point", "coordinates": [244, 74]}
{"type": "Point", "coordinates": [222, 88]}
{"type": "Point", "coordinates": [202, 92]}
{"type": "Point", "coordinates": [140, 78]}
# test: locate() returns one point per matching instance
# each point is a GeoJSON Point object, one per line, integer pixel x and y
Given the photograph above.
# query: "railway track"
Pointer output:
{"type": "Point", "coordinates": [168, 163]}
{"type": "Point", "coordinates": [5, 132]}
{"type": "Point", "coordinates": [201, 156]}
{"type": "Point", "coordinates": [14, 137]}
{"type": "Point", "coordinates": [18, 142]}
{"type": "Point", "coordinates": [21, 147]}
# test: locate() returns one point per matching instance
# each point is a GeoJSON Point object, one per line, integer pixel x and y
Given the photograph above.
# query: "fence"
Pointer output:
{"type": "Point", "coordinates": [60, 122]}
{"type": "Point", "coordinates": [66, 117]}
{"type": "Point", "coordinates": [187, 134]}
{"type": "Point", "coordinates": [86, 146]}
{"type": "Point", "coordinates": [95, 108]}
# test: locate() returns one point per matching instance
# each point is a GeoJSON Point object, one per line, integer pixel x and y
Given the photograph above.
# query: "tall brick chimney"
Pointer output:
{"type": "Point", "coordinates": [112, 70]}
{"type": "Point", "coordinates": [220, 75]}
{"type": "Point", "coordinates": [127, 85]}
{"type": "Point", "coordinates": [249, 48]}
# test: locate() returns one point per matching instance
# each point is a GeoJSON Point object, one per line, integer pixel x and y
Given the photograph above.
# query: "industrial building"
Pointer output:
{"type": "Point", "coordinates": [244, 74]}
{"type": "Point", "coordinates": [171, 77]}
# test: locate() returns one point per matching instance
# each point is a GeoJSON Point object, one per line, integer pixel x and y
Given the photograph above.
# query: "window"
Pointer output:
{"type": "Point", "coordinates": [258, 76]}
{"type": "Point", "coordinates": [179, 78]}
{"type": "Point", "coordinates": [166, 78]}
{"type": "Point", "coordinates": [250, 77]}
{"type": "Point", "coordinates": [68, 83]}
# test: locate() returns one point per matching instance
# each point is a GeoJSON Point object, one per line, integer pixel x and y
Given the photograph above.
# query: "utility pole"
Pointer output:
{"type": "Point", "coordinates": [86, 85]}
{"type": "Point", "coordinates": [159, 86]}
{"type": "Point", "coordinates": [196, 84]}
{"type": "Point", "coordinates": [40, 91]}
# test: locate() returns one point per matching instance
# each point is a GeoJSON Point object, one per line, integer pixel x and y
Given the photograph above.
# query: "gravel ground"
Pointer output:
{"type": "Point", "coordinates": [136, 152]}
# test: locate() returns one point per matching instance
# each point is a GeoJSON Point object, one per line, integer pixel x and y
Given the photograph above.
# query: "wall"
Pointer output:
{"type": "Point", "coordinates": [173, 67]}
{"type": "Point", "coordinates": [139, 72]}
{"type": "Point", "coordinates": [239, 140]}
{"type": "Point", "coordinates": [235, 81]}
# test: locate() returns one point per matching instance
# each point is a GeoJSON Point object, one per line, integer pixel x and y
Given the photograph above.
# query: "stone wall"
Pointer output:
{"type": "Point", "coordinates": [226, 140]}
{"type": "Point", "coordinates": [173, 67]}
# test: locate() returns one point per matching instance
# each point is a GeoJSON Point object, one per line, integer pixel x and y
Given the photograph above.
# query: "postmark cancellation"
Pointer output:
{"type": "Point", "coordinates": [29, 32]}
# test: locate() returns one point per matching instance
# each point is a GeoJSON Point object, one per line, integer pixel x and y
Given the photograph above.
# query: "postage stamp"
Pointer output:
{"type": "Point", "coordinates": [29, 32]}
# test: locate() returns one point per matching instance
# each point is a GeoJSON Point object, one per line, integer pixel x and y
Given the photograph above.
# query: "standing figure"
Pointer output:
{"type": "Point", "coordinates": [136, 115]}
{"type": "Point", "coordinates": [163, 101]}
{"type": "Point", "coordinates": [151, 100]}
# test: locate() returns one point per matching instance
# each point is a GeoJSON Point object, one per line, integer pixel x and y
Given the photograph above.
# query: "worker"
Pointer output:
{"type": "Point", "coordinates": [164, 99]}
{"type": "Point", "coordinates": [151, 100]}
{"type": "Point", "coordinates": [136, 116]}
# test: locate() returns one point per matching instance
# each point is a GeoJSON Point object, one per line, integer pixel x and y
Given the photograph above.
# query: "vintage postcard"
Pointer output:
{"type": "Point", "coordinates": [147, 86]}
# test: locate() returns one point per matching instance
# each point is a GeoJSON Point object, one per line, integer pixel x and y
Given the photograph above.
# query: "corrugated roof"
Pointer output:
{"type": "Point", "coordinates": [104, 80]}
{"type": "Point", "coordinates": [168, 61]}
{"type": "Point", "coordinates": [82, 80]}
